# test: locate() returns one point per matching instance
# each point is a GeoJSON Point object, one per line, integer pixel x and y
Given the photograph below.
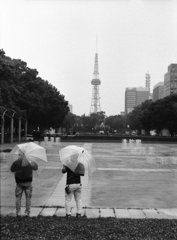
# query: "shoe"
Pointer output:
{"type": "Point", "coordinates": [78, 215]}
{"type": "Point", "coordinates": [68, 215]}
{"type": "Point", "coordinates": [18, 215]}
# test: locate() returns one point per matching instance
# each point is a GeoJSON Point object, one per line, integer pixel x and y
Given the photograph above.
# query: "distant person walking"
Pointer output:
{"type": "Point", "coordinates": [23, 176]}
{"type": "Point", "coordinates": [73, 187]}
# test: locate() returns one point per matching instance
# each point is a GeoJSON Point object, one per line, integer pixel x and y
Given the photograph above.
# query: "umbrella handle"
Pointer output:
{"type": "Point", "coordinates": [80, 154]}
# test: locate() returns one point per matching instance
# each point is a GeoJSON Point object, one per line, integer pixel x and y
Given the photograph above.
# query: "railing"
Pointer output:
{"type": "Point", "coordinates": [8, 112]}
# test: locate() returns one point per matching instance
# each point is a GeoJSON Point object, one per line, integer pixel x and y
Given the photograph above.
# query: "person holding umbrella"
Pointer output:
{"type": "Point", "coordinates": [22, 161]}
{"type": "Point", "coordinates": [23, 176]}
{"type": "Point", "coordinates": [77, 162]}
{"type": "Point", "coordinates": [73, 187]}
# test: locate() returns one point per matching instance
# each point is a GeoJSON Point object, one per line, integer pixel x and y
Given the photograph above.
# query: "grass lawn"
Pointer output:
{"type": "Point", "coordinates": [53, 228]}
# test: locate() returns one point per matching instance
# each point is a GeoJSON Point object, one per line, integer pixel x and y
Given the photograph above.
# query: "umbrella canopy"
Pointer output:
{"type": "Point", "coordinates": [32, 152]}
{"type": "Point", "coordinates": [72, 155]}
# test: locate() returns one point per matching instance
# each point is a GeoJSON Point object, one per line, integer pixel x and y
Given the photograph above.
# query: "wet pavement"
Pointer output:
{"type": "Point", "coordinates": [133, 180]}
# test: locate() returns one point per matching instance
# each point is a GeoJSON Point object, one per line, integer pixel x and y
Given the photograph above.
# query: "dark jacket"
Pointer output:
{"type": "Point", "coordinates": [23, 173]}
{"type": "Point", "coordinates": [73, 177]}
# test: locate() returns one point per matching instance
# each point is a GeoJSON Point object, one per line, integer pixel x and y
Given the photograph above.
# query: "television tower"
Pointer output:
{"type": "Point", "coordinates": [95, 103]}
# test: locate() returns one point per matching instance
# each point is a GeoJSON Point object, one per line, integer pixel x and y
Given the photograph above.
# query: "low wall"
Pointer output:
{"type": "Point", "coordinates": [107, 138]}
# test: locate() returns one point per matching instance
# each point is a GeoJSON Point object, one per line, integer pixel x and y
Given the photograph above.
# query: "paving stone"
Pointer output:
{"type": "Point", "coordinates": [7, 210]}
{"type": "Point", "coordinates": [122, 213]}
{"type": "Point", "coordinates": [22, 211]}
{"type": "Point", "coordinates": [60, 212]}
{"type": "Point", "coordinates": [48, 211]}
{"type": "Point", "coordinates": [136, 213]}
{"type": "Point", "coordinates": [92, 213]}
{"type": "Point", "coordinates": [161, 215]}
{"type": "Point", "coordinates": [174, 210]}
{"type": "Point", "coordinates": [165, 213]}
{"type": "Point", "coordinates": [55, 203]}
{"type": "Point", "coordinates": [107, 212]}
{"type": "Point", "coordinates": [35, 211]}
{"type": "Point", "coordinates": [150, 213]}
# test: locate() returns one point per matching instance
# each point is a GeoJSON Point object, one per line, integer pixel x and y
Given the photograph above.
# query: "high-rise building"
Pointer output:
{"type": "Point", "coordinates": [95, 103]}
{"type": "Point", "coordinates": [70, 108]}
{"type": "Point", "coordinates": [142, 94]}
{"type": "Point", "coordinates": [130, 99]}
{"type": "Point", "coordinates": [134, 97]}
{"type": "Point", "coordinates": [170, 80]}
{"type": "Point", "coordinates": [148, 83]}
{"type": "Point", "coordinates": [158, 91]}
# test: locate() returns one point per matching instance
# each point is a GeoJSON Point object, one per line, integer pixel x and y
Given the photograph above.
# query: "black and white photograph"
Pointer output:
{"type": "Point", "coordinates": [88, 119]}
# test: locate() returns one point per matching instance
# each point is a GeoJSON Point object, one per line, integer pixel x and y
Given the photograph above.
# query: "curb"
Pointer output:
{"type": "Point", "coordinates": [131, 213]}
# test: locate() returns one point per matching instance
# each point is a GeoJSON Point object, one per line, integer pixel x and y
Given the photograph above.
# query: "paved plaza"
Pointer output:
{"type": "Point", "coordinates": [133, 180]}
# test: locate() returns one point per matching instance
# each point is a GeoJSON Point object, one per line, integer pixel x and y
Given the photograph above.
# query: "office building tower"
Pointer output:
{"type": "Point", "coordinates": [158, 91]}
{"type": "Point", "coordinates": [134, 97]}
{"type": "Point", "coordinates": [170, 80]}
{"type": "Point", "coordinates": [130, 99]}
{"type": "Point", "coordinates": [147, 82]}
{"type": "Point", "coordinates": [70, 108]}
{"type": "Point", "coordinates": [142, 94]}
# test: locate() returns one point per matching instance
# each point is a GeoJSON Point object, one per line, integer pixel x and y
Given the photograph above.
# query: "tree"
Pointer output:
{"type": "Point", "coordinates": [164, 114]}
{"type": "Point", "coordinates": [155, 115]}
{"type": "Point", "coordinates": [24, 91]}
{"type": "Point", "coordinates": [116, 122]}
{"type": "Point", "coordinates": [145, 117]}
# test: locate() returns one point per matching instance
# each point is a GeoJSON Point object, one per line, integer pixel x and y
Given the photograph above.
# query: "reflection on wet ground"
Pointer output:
{"type": "Point", "coordinates": [130, 175]}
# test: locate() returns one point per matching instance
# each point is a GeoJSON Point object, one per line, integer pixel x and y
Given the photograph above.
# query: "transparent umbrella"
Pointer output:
{"type": "Point", "coordinates": [33, 153]}
{"type": "Point", "coordinates": [70, 156]}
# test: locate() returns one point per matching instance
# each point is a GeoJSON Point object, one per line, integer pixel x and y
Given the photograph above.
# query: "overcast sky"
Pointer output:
{"type": "Point", "coordinates": [58, 38]}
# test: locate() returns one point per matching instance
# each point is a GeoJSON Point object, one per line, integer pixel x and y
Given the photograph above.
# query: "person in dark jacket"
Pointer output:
{"type": "Point", "coordinates": [73, 187]}
{"type": "Point", "coordinates": [23, 176]}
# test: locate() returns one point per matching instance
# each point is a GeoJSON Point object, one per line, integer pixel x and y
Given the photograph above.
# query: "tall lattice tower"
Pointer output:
{"type": "Point", "coordinates": [95, 103]}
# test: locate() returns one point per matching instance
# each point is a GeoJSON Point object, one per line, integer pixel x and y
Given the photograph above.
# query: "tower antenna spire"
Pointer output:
{"type": "Point", "coordinates": [96, 41]}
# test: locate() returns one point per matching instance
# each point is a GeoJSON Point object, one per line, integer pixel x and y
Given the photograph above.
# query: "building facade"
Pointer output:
{"type": "Point", "coordinates": [130, 99]}
{"type": "Point", "coordinates": [142, 94]}
{"type": "Point", "coordinates": [170, 80]}
{"type": "Point", "coordinates": [70, 108]}
{"type": "Point", "coordinates": [148, 82]}
{"type": "Point", "coordinates": [134, 97]}
{"type": "Point", "coordinates": [158, 91]}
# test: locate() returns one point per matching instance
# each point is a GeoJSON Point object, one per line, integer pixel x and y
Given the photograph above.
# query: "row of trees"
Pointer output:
{"type": "Point", "coordinates": [95, 123]}
{"type": "Point", "coordinates": [148, 116]}
{"type": "Point", "coordinates": [155, 115]}
{"type": "Point", "coordinates": [83, 123]}
{"type": "Point", "coordinates": [22, 90]}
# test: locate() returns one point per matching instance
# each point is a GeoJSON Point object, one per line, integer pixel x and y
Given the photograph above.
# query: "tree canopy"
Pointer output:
{"type": "Point", "coordinates": [155, 115]}
{"type": "Point", "coordinates": [24, 91]}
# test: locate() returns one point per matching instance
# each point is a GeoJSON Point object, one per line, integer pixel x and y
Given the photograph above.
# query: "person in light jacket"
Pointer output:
{"type": "Point", "coordinates": [73, 187]}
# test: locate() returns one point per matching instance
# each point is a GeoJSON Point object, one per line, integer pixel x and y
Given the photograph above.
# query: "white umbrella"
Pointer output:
{"type": "Point", "coordinates": [32, 151]}
{"type": "Point", "coordinates": [71, 155]}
